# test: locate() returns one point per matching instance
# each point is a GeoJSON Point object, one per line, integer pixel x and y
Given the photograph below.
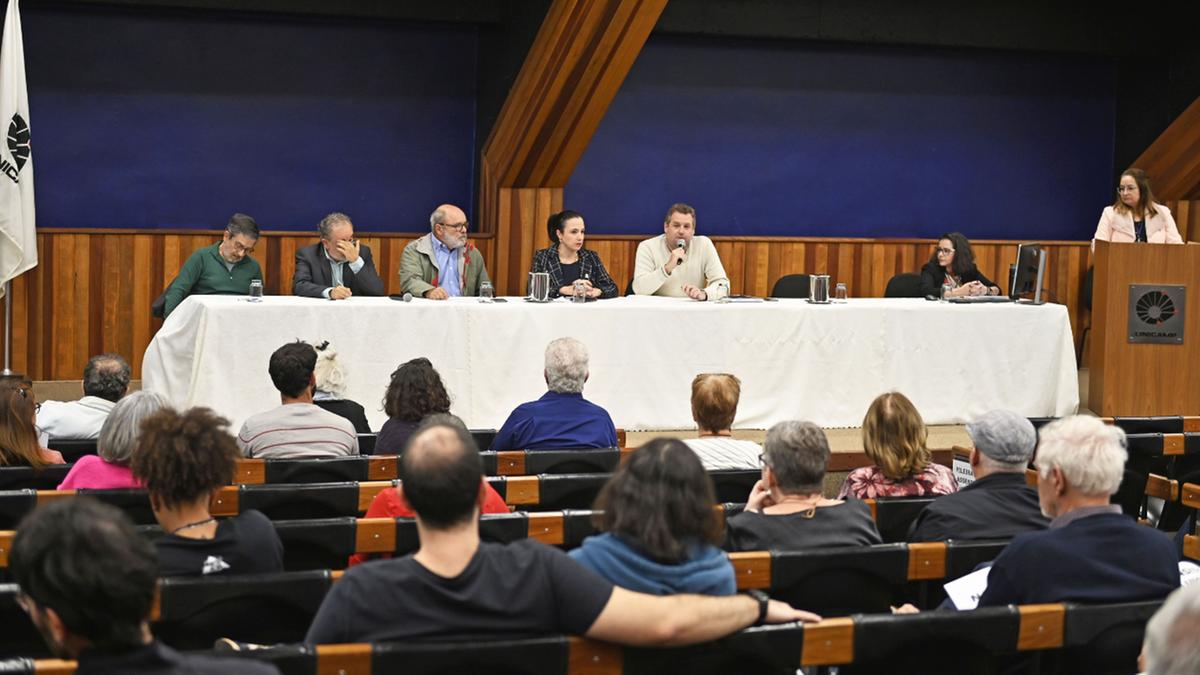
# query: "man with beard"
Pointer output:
{"type": "Point", "coordinates": [442, 264]}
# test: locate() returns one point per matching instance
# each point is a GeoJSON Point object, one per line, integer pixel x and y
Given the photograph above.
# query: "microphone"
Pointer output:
{"type": "Point", "coordinates": [680, 243]}
{"type": "Point", "coordinates": [407, 297]}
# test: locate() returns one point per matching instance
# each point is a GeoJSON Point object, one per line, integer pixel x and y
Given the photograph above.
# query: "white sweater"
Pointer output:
{"type": "Point", "coordinates": [702, 266]}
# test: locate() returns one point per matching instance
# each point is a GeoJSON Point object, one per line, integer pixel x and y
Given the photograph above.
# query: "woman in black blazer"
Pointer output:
{"type": "Point", "coordinates": [953, 262]}
{"type": "Point", "coordinates": [567, 260]}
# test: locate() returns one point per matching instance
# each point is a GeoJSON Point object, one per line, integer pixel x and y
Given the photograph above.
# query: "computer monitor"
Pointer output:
{"type": "Point", "coordinates": [1027, 274]}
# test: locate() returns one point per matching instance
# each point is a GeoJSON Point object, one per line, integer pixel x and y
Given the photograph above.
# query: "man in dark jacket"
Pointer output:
{"type": "Point", "coordinates": [998, 505]}
{"type": "Point", "coordinates": [338, 266]}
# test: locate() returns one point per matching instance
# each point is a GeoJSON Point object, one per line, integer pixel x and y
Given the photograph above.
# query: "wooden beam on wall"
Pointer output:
{"type": "Point", "coordinates": [581, 55]}
{"type": "Point", "coordinates": [1173, 160]}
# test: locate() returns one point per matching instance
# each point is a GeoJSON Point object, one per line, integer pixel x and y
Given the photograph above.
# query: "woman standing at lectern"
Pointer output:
{"type": "Point", "coordinates": [1134, 216]}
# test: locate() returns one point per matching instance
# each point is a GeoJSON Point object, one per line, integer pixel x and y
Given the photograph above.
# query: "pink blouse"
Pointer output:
{"type": "Point", "coordinates": [92, 472]}
{"type": "Point", "coordinates": [869, 482]}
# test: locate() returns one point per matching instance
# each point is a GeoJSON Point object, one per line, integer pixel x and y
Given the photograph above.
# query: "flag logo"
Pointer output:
{"type": "Point", "coordinates": [18, 147]}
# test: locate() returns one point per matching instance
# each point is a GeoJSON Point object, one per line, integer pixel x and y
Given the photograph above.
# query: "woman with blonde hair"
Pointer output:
{"type": "Point", "coordinates": [894, 437]}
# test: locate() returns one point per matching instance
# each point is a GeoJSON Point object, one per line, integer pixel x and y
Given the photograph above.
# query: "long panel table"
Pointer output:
{"type": "Point", "coordinates": [796, 360]}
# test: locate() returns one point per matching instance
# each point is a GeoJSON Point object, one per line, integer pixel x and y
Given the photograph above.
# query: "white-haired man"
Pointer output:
{"type": "Point", "coordinates": [1091, 553]}
{"type": "Point", "coordinates": [442, 264]}
{"type": "Point", "coordinates": [561, 418]}
{"type": "Point", "coordinates": [1172, 645]}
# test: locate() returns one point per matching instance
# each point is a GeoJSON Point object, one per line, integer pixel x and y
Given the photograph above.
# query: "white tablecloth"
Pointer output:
{"type": "Point", "coordinates": [823, 363]}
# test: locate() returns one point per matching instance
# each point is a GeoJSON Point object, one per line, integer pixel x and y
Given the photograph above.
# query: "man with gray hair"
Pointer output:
{"type": "Point", "coordinates": [338, 266]}
{"type": "Point", "coordinates": [1172, 645]}
{"type": "Point", "coordinates": [1091, 553]}
{"type": "Point", "coordinates": [998, 505]}
{"type": "Point", "coordinates": [105, 381]}
{"type": "Point", "coordinates": [442, 264]}
{"type": "Point", "coordinates": [561, 418]}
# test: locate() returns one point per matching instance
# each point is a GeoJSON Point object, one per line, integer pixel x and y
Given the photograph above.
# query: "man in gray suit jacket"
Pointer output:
{"type": "Point", "coordinates": [338, 266]}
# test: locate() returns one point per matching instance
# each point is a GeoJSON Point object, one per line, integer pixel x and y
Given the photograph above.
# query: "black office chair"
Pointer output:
{"type": "Point", "coordinates": [1102, 639]}
{"type": "Point", "coordinates": [629, 288]}
{"type": "Point", "coordinates": [791, 286]}
{"type": "Point", "coordinates": [904, 285]}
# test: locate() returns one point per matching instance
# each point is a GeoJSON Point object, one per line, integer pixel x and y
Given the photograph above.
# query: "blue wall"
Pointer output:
{"type": "Point", "coordinates": [179, 119]}
{"type": "Point", "coordinates": [816, 140]}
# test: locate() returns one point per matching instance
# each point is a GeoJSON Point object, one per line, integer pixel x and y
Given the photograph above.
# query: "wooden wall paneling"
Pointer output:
{"type": "Point", "coordinates": [1173, 160]}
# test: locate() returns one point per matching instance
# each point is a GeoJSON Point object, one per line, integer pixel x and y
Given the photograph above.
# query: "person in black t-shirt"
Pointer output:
{"type": "Point", "coordinates": [455, 585]}
{"type": "Point", "coordinates": [183, 459]}
{"type": "Point", "coordinates": [87, 582]}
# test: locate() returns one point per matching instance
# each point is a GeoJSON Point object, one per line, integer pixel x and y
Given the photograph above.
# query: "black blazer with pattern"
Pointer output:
{"type": "Point", "coordinates": [590, 267]}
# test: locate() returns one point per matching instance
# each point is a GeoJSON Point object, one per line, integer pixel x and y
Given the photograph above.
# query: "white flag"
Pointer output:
{"type": "Point", "coordinates": [18, 238]}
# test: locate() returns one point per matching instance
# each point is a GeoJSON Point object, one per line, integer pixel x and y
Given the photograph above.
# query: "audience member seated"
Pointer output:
{"type": "Point", "coordinates": [415, 391]}
{"type": "Point", "coordinates": [561, 418]}
{"type": "Point", "coordinates": [298, 428]}
{"type": "Point", "coordinates": [1172, 645]}
{"type": "Point", "coordinates": [456, 585]}
{"type": "Point", "coordinates": [714, 405]}
{"type": "Point", "coordinates": [894, 438]}
{"type": "Point", "coordinates": [659, 526]}
{"type": "Point", "coordinates": [331, 389]}
{"type": "Point", "coordinates": [88, 583]}
{"type": "Point", "coordinates": [109, 468]}
{"type": "Point", "coordinates": [953, 263]}
{"type": "Point", "coordinates": [785, 509]}
{"type": "Point", "coordinates": [18, 427]}
{"type": "Point", "coordinates": [1091, 553]}
{"type": "Point", "coordinates": [225, 268]}
{"type": "Point", "coordinates": [998, 505]}
{"type": "Point", "coordinates": [105, 381]}
{"type": "Point", "coordinates": [183, 459]}
{"type": "Point", "coordinates": [389, 503]}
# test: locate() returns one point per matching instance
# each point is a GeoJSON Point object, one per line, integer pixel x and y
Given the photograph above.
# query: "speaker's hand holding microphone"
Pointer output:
{"type": "Point", "coordinates": [678, 255]}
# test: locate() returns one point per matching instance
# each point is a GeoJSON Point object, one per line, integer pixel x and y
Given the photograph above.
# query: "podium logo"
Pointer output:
{"type": "Point", "coordinates": [18, 148]}
{"type": "Point", "coordinates": [1155, 308]}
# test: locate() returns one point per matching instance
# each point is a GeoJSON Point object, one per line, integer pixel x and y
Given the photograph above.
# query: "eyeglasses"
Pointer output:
{"type": "Point", "coordinates": [1127, 188]}
{"type": "Point", "coordinates": [762, 461]}
{"type": "Point", "coordinates": [238, 248]}
{"type": "Point", "coordinates": [461, 227]}
{"type": "Point", "coordinates": [947, 251]}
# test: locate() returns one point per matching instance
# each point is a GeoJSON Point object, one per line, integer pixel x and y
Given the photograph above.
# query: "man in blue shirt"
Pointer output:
{"type": "Point", "coordinates": [560, 418]}
{"type": "Point", "coordinates": [443, 264]}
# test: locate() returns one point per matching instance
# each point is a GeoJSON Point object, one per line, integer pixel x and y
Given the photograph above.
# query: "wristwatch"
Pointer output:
{"type": "Point", "coordinates": [763, 600]}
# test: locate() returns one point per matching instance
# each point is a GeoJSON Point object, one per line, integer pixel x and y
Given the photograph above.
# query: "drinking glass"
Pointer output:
{"type": "Point", "coordinates": [486, 292]}
{"type": "Point", "coordinates": [256, 290]}
{"type": "Point", "coordinates": [946, 288]}
{"type": "Point", "coordinates": [580, 291]}
{"type": "Point", "coordinates": [840, 294]}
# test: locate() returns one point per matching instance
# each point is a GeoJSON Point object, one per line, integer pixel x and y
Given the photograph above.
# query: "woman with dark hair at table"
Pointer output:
{"type": "Point", "coordinates": [953, 263]}
{"type": "Point", "coordinates": [416, 390]}
{"type": "Point", "coordinates": [567, 260]}
{"type": "Point", "coordinates": [1134, 216]}
{"type": "Point", "coordinates": [660, 527]}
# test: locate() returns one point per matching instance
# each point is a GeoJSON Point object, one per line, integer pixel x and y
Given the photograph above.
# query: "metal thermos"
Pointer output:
{"type": "Point", "coordinates": [539, 286]}
{"type": "Point", "coordinates": [818, 288]}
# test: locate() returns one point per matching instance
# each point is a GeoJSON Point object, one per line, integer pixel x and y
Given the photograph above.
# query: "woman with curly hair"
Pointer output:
{"type": "Point", "coordinates": [183, 459]}
{"type": "Point", "coordinates": [416, 390]}
{"type": "Point", "coordinates": [953, 262]}
{"type": "Point", "coordinates": [660, 527]}
{"type": "Point", "coordinates": [894, 437]}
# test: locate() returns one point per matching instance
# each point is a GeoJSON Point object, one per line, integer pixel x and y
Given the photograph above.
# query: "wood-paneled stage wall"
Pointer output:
{"type": "Point", "coordinates": [92, 290]}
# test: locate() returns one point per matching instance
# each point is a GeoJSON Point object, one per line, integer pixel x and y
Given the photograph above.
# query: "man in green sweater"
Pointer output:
{"type": "Point", "coordinates": [225, 268]}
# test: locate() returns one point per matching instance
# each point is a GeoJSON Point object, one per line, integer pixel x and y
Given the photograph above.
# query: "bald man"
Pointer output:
{"type": "Point", "coordinates": [442, 264]}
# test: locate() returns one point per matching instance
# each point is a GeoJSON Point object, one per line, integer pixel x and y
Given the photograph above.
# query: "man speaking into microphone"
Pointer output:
{"type": "Point", "coordinates": [678, 263]}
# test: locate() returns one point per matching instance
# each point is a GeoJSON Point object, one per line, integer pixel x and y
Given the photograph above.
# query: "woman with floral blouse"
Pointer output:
{"type": "Point", "coordinates": [894, 438]}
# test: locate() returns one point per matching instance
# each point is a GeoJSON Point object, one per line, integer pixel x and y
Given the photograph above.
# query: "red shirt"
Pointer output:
{"type": "Point", "coordinates": [390, 504]}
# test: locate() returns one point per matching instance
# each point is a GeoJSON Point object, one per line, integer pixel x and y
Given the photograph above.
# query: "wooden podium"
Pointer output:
{"type": "Point", "coordinates": [1134, 378]}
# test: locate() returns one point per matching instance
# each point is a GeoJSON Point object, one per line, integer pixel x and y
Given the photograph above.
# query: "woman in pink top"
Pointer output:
{"type": "Point", "coordinates": [110, 469]}
{"type": "Point", "coordinates": [894, 437]}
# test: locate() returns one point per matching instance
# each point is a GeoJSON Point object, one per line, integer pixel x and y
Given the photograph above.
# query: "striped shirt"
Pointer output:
{"type": "Point", "coordinates": [723, 452]}
{"type": "Point", "coordinates": [296, 431]}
